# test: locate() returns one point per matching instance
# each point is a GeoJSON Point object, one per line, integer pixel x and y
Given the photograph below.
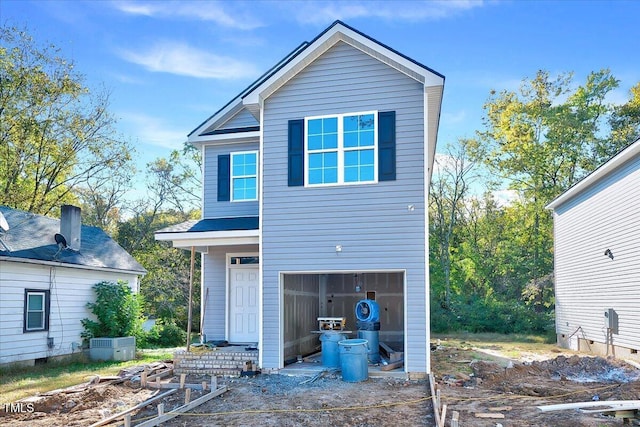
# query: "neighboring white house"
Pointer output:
{"type": "Point", "coordinates": [315, 196]}
{"type": "Point", "coordinates": [46, 281]}
{"type": "Point", "coordinates": [597, 259]}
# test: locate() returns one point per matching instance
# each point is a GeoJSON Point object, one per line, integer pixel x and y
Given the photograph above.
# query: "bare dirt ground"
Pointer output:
{"type": "Point", "coordinates": [467, 385]}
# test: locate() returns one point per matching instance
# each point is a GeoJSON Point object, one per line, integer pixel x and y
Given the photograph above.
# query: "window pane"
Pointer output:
{"type": "Point", "coordinates": [350, 123]}
{"type": "Point", "coordinates": [331, 175]}
{"type": "Point", "coordinates": [315, 142]}
{"type": "Point", "coordinates": [315, 176]}
{"type": "Point", "coordinates": [351, 158]}
{"type": "Point", "coordinates": [367, 138]}
{"type": "Point", "coordinates": [35, 320]}
{"type": "Point", "coordinates": [331, 160]}
{"type": "Point", "coordinates": [330, 141]}
{"type": "Point", "coordinates": [35, 302]}
{"type": "Point", "coordinates": [351, 174]}
{"type": "Point", "coordinates": [314, 127]}
{"type": "Point", "coordinates": [366, 122]}
{"type": "Point", "coordinates": [351, 139]}
{"type": "Point", "coordinates": [315, 161]}
{"type": "Point", "coordinates": [366, 173]}
{"type": "Point", "coordinates": [330, 125]}
{"type": "Point", "coordinates": [366, 157]}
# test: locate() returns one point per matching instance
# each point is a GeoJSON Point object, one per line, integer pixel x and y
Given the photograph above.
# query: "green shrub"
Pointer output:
{"type": "Point", "coordinates": [118, 312]}
{"type": "Point", "coordinates": [166, 335]}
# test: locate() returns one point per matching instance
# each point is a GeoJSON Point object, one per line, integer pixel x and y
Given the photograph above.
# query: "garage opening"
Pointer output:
{"type": "Point", "coordinates": [309, 296]}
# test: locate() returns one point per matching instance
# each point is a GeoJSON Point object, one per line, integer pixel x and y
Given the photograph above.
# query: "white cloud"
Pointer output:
{"type": "Point", "coordinates": [199, 10]}
{"type": "Point", "coordinates": [321, 12]}
{"type": "Point", "coordinates": [154, 131]}
{"type": "Point", "coordinates": [182, 59]}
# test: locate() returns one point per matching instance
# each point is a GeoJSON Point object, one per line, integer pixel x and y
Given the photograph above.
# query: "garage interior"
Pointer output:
{"type": "Point", "coordinates": [309, 296]}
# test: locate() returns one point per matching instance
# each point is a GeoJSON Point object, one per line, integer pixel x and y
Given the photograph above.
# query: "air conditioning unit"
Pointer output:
{"type": "Point", "coordinates": [120, 349]}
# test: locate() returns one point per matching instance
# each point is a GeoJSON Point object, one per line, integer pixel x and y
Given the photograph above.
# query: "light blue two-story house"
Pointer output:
{"type": "Point", "coordinates": [315, 197]}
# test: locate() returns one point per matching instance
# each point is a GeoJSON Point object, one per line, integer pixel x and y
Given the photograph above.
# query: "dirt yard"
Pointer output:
{"type": "Point", "coordinates": [467, 385]}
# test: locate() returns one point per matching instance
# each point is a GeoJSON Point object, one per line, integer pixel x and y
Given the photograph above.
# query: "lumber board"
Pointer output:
{"type": "Point", "coordinates": [134, 408]}
{"type": "Point", "coordinates": [612, 409]}
{"type": "Point", "coordinates": [489, 415]}
{"type": "Point", "coordinates": [590, 404]}
{"type": "Point", "coordinates": [436, 410]}
{"type": "Point", "coordinates": [392, 365]}
{"type": "Point", "coordinates": [391, 353]}
{"type": "Point", "coordinates": [177, 385]}
{"type": "Point", "coordinates": [184, 408]}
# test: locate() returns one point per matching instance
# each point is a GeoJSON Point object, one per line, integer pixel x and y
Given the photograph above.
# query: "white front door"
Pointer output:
{"type": "Point", "coordinates": [243, 304]}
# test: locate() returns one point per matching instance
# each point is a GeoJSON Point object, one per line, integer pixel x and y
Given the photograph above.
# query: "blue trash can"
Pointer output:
{"type": "Point", "coordinates": [353, 360]}
{"type": "Point", "coordinates": [373, 346]}
{"type": "Point", "coordinates": [330, 353]}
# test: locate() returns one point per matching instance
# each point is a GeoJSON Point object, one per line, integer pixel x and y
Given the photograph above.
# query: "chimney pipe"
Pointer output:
{"type": "Point", "coordinates": [70, 225]}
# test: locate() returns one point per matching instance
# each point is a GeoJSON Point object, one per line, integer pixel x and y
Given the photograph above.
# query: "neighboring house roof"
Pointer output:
{"type": "Point", "coordinates": [30, 237]}
{"type": "Point", "coordinates": [629, 153]}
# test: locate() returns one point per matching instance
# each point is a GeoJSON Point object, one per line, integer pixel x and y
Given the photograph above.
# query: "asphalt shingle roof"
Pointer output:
{"type": "Point", "coordinates": [31, 236]}
{"type": "Point", "coordinates": [214, 224]}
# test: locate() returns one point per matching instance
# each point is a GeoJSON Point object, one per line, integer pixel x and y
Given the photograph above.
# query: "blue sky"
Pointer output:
{"type": "Point", "coordinates": [170, 65]}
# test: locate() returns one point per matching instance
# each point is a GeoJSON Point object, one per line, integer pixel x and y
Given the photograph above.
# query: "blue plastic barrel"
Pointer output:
{"type": "Point", "coordinates": [367, 310]}
{"type": "Point", "coordinates": [330, 353]}
{"type": "Point", "coordinates": [373, 341]}
{"type": "Point", "coordinates": [353, 360]}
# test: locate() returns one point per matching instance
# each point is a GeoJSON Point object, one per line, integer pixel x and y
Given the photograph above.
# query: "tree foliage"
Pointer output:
{"type": "Point", "coordinates": [56, 134]}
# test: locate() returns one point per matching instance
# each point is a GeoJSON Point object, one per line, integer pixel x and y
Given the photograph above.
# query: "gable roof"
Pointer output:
{"type": "Point", "coordinates": [630, 152]}
{"type": "Point", "coordinates": [300, 58]}
{"type": "Point", "coordinates": [30, 237]}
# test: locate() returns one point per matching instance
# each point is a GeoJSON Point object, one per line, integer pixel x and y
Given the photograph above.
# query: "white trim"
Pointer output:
{"type": "Point", "coordinates": [227, 304]}
{"type": "Point", "coordinates": [205, 235]}
{"type": "Point", "coordinates": [28, 293]}
{"type": "Point", "coordinates": [340, 150]}
{"type": "Point", "coordinates": [427, 182]}
{"type": "Point", "coordinates": [231, 176]}
{"type": "Point", "coordinates": [610, 166]}
{"type": "Point", "coordinates": [260, 252]}
{"type": "Point", "coordinates": [234, 107]}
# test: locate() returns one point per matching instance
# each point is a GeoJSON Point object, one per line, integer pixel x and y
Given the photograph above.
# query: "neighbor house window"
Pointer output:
{"type": "Point", "coordinates": [36, 310]}
{"type": "Point", "coordinates": [244, 176]}
{"type": "Point", "coordinates": [341, 149]}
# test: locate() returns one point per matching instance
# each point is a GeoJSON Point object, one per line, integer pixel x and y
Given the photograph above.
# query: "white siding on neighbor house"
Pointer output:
{"type": "Point", "coordinates": [70, 292]}
{"type": "Point", "coordinates": [605, 216]}
{"type": "Point", "coordinates": [372, 222]}
{"type": "Point", "coordinates": [212, 208]}
{"type": "Point", "coordinates": [214, 281]}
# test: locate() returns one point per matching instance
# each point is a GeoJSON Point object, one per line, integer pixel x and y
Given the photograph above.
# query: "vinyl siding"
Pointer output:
{"type": "Point", "coordinates": [241, 120]}
{"type": "Point", "coordinates": [604, 216]}
{"type": "Point", "coordinates": [302, 226]}
{"type": "Point", "coordinates": [71, 290]}
{"type": "Point", "coordinates": [212, 208]}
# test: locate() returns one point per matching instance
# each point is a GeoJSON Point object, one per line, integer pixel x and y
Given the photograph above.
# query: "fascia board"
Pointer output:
{"type": "Point", "coordinates": [614, 163]}
{"type": "Point", "coordinates": [220, 116]}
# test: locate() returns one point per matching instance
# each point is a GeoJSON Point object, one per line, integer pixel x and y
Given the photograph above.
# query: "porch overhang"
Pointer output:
{"type": "Point", "coordinates": [212, 232]}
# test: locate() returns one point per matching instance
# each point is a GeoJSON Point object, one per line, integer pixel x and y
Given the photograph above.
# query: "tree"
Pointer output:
{"type": "Point", "coordinates": [56, 134]}
{"type": "Point", "coordinates": [449, 187]}
{"type": "Point", "coordinates": [625, 123]}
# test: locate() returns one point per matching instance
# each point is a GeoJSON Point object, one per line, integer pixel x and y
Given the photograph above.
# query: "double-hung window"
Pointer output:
{"type": "Point", "coordinates": [244, 176]}
{"type": "Point", "coordinates": [36, 310]}
{"type": "Point", "coordinates": [341, 149]}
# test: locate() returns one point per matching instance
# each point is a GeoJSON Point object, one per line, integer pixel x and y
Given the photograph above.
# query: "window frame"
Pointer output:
{"type": "Point", "coordinates": [340, 149]}
{"type": "Point", "coordinates": [232, 177]}
{"type": "Point", "coordinates": [46, 300]}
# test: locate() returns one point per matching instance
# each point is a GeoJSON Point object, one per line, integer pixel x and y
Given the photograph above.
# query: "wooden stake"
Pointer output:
{"type": "Point", "coordinates": [187, 396]}
{"type": "Point", "coordinates": [143, 378]}
{"type": "Point", "coordinates": [436, 409]}
{"type": "Point", "coordinates": [214, 382]}
{"type": "Point", "coordinates": [443, 417]}
{"type": "Point", "coordinates": [182, 378]}
{"type": "Point", "coordinates": [160, 409]}
{"type": "Point", "coordinates": [127, 420]}
{"type": "Point", "coordinates": [455, 416]}
{"type": "Point", "coordinates": [191, 272]}
{"type": "Point", "coordinates": [204, 386]}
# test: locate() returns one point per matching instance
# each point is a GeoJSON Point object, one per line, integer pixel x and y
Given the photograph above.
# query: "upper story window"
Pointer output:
{"type": "Point", "coordinates": [36, 310]}
{"type": "Point", "coordinates": [244, 176]}
{"type": "Point", "coordinates": [341, 149]}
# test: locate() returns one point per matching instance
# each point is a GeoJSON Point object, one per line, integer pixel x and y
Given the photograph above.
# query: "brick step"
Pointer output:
{"type": "Point", "coordinates": [225, 363]}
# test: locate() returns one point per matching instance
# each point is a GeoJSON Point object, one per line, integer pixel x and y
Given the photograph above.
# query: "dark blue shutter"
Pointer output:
{"type": "Point", "coordinates": [224, 177]}
{"type": "Point", "coordinates": [387, 146]}
{"type": "Point", "coordinates": [296, 153]}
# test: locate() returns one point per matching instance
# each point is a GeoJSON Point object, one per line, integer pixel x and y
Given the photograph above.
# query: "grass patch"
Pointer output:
{"type": "Point", "coordinates": [20, 382]}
